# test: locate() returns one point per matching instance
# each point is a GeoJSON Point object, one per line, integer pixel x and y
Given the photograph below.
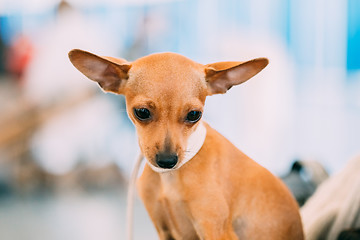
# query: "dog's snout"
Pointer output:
{"type": "Point", "coordinates": [166, 160]}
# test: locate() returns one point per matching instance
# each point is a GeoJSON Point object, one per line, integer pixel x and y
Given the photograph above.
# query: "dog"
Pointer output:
{"type": "Point", "coordinates": [196, 184]}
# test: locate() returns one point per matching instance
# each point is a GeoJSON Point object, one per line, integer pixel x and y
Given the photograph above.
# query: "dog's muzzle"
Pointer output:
{"type": "Point", "coordinates": [167, 162]}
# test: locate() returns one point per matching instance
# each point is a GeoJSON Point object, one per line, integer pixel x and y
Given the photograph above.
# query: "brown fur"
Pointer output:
{"type": "Point", "coordinates": [221, 193]}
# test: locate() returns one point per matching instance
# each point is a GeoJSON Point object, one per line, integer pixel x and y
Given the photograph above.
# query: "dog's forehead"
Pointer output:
{"type": "Point", "coordinates": [165, 59]}
{"type": "Point", "coordinates": [166, 73]}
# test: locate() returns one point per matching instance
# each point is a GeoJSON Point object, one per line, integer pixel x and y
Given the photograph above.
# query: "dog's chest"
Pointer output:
{"type": "Point", "coordinates": [174, 207]}
{"type": "Point", "coordinates": [170, 187]}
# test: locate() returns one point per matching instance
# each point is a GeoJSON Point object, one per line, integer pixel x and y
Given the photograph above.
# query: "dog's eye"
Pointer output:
{"type": "Point", "coordinates": [142, 114]}
{"type": "Point", "coordinates": [193, 116]}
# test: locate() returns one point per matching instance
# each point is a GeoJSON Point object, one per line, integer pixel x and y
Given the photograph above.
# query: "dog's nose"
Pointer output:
{"type": "Point", "coordinates": [166, 160]}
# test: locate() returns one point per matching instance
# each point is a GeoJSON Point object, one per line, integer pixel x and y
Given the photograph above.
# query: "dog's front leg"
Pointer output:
{"type": "Point", "coordinates": [157, 216]}
{"type": "Point", "coordinates": [165, 235]}
{"type": "Point", "coordinates": [211, 219]}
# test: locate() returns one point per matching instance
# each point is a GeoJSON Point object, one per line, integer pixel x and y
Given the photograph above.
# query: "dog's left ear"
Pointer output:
{"type": "Point", "coordinates": [221, 76]}
{"type": "Point", "coordinates": [110, 73]}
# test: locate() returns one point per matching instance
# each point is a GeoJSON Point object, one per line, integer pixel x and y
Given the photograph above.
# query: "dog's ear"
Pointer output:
{"type": "Point", "coordinates": [110, 73]}
{"type": "Point", "coordinates": [221, 76]}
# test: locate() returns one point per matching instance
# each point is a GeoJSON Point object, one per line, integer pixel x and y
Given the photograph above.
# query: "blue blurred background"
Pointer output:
{"type": "Point", "coordinates": [60, 134]}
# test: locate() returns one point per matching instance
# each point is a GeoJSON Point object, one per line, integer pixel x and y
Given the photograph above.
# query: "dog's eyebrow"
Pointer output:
{"type": "Point", "coordinates": [194, 105]}
{"type": "Point", "coordinates": [147, 103]}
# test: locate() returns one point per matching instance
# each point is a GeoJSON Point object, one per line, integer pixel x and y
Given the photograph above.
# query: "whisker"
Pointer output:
{"type": "Point", "coordinates": [189, 151]}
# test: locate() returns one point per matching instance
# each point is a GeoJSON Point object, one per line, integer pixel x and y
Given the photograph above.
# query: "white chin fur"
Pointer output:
{"type": "Point", "coordinates": [195, 142]}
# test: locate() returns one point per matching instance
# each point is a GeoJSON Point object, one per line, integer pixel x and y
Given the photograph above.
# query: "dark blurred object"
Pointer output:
{"type": "Point", "coordinates": [335, 205]}
{"type": "Point", "coordinates": [303, 179]}
{"type": "Point", "coordinates": [63, 6]}
{"type": "Point", "coordinates": [351, 234]}
{"type": "Point", "coordinates": [2, 55]}
{"type": "Point", "coordinates": [90, 178]}
{"type": "Point", "coordinates": [5, 187]}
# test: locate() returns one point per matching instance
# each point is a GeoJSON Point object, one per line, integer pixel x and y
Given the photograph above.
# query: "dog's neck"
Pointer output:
{"type": "Point", "coordinates": [194, 144]}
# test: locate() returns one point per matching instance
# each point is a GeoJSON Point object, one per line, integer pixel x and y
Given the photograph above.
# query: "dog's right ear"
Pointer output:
{"type": "Point", "coordinates": [110, 73]}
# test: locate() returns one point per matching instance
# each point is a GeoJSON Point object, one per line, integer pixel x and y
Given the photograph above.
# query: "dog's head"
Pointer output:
{"type": "Point", "coordinates": [165, 95]}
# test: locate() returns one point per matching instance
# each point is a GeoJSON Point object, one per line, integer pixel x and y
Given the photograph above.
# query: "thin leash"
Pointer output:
{"type": "Point", "coordinates": [130, 198]}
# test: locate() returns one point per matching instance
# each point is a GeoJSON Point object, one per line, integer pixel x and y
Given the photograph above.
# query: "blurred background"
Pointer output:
{"type": "Point", "coordinates": [67, 149]}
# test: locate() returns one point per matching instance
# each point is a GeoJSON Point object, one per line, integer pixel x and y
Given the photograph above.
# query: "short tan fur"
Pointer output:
{"type": "Point", "coordinates": [219, 193]}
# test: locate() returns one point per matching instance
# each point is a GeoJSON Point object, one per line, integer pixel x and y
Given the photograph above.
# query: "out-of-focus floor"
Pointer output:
{"type": "Point", "coordinates": [80, 216]}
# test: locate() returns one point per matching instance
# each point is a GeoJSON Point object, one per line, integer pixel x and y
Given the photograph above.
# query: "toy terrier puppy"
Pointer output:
{"type": "Point", "coordinates": [196, 184]}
